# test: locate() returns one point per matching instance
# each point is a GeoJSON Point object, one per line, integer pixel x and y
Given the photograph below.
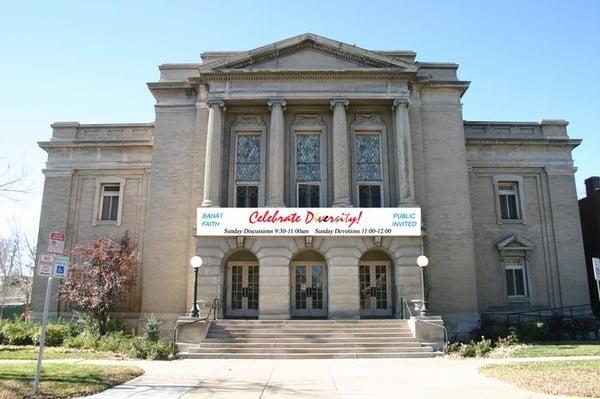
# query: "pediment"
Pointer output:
{"type": "Point", "coordinates": [515, 243]}
{"type": "Point", "coordinates": [308, 52]}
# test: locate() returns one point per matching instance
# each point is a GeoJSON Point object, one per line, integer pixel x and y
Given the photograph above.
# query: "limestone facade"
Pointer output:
{"type": "Point", "coordinates": [454, 170]}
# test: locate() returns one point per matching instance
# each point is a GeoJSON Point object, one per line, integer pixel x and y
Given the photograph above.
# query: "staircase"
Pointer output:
{"type": "Point", "coordinates": [306, 339]}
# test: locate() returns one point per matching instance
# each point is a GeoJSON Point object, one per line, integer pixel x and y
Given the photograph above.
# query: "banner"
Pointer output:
{"type": "Point", "coordinates": [308, 222]}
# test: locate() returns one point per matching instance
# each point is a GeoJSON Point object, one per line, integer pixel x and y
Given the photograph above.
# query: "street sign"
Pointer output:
{"type": "Point", "coordinates": [46, 265]}
{"type": "Point", "coordinates": [56, 243]}
{"type": "Point", "coordinates": [61, 266]}
{"type": "Point", "coordinates": [596, 266]}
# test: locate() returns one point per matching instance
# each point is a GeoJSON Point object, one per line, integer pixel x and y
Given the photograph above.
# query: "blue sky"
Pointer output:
{"type": "Point", "coordinates": [90, 61]}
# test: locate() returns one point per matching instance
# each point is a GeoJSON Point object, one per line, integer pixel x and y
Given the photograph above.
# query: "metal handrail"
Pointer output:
{"type": "Point", "coordinates": [214, 306]}
{"type": "Point", "coordinates": [540, 310]}
{"type": "Point", "coordinates": [405, 305]}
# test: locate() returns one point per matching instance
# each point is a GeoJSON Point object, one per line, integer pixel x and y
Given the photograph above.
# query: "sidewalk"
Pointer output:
{"type": "Point", "coordinates": [320, 378]}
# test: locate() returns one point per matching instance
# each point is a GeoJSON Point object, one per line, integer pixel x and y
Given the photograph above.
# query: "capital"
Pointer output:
{"type": "Point", "coordinates": [215, 102]}
{"type": "Point", "coordinates": [274, 101]}
{"type": "Point", "coordinates": [403, 101]}
{"type": "Point", "coordinates": [339, 101]}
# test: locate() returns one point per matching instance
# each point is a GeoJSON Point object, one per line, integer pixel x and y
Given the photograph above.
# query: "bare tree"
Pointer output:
{"type": "Point", "coordinates": [15, 182]}
{"type": "Point", "coordinates": [17, 260]}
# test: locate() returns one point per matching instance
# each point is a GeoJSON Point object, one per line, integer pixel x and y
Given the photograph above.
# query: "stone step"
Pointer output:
{"type": "Point", "coordinates": [338, 349]}
{"type": "Point", "coordinates": [308, 335]}
{"type": "Point", "coordinates": [353, 344]}
{"type": "Point", "coordinates": [342, 340]}
{"type": "Point", "coordinates": [315, 355]}
{"type": "Point", "coordinates": [296, 330]}
{"type": "Point", "coordinates": [316, 322]}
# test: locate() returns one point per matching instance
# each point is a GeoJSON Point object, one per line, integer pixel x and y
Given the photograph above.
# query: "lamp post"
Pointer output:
{"type": "Point", "coordinates": [422, 262]}
{"type": "Point", "coordinates": [196, 262]}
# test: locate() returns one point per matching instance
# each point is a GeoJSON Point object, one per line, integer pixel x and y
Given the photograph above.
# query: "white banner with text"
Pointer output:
{"type": "Point", "coordinates": [308, 222]}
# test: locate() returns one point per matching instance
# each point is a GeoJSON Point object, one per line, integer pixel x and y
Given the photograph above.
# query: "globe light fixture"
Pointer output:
{"type": "Point", "coordinates": [422, 261]}
{"type": "Point", "coordinates": [196, 262]}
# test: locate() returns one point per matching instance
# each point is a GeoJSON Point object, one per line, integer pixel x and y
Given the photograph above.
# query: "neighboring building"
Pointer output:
{"type": "Point", "coordinates": [312, 122]}
{"type": "Point", "coordinates": [589, 209]}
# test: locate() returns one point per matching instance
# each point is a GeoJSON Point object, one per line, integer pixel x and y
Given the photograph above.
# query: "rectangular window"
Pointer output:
{"type": "Point", "coordinates": [246, 196]}
{"type": "Point", "coordinates": [109, 210]}
{"type": "Point", "coordinates": [369, 196]}
{"type": "Point", "coordinates": [368, 169]}
{"type": "Point", "coordinates": [308, 169]}
{"type": "Point", "coordinates": [247, 170]}
{"type": "Point", "coordinates": [516, 277]}
{"type": "Point", "coordinates": [308, 195]}
{"type": "Point", "coordinates": [510, 207]}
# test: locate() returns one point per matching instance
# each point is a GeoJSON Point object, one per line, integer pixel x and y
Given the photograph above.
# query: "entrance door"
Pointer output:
{"type": "Point", "coordinates": [242, 289]}
{"type": "Point", "coordinates": [375, 288]}
{"type": "Point", "coordinates": [309, 289]}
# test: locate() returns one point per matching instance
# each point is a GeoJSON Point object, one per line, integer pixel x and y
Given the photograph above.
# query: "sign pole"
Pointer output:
{"type": "Point", "coordinates": [38, 370]}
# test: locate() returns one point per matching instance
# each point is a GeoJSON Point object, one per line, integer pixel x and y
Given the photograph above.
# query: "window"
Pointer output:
{"type": "Point", "coordinates": [308, 169]}
{"type": "Point", "coordinates": [109, 210]}
{"type": "Point", "coordinates": [368, 169]}
{"type": "Point", "coordinates": [508, 194]}
{"type": "Point", "coordinates": [247, 170]}
{"type": "Point", "coordinates": [516, 277]}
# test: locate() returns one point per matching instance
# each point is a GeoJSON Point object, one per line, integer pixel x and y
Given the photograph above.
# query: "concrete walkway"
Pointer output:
{"type": "Point", "coordinates": [324, 378]}
{"type": "Point", "coordinates": [329, 378]}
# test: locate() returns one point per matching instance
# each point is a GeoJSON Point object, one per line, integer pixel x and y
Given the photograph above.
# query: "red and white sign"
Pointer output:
{"type": "Point", "coordinates": [46, 265]}
{"type": "Point", "coordinates": [56, 243]}
{"type": "Point", "coordinates": [308, 222]}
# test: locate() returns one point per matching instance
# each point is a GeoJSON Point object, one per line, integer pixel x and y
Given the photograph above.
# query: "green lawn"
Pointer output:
{"type": "Point", "coordinates": [568, 377]}
{"type": "Point", "coordinates": [30, 353]}
{"type": "Point", "coordinates": [62, 380]}
{"type": "Point", "coordinates": [539, 350]}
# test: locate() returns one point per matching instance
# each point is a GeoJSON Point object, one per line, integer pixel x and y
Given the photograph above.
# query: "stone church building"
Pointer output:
{"type": "Point", "coordinates": [310, 122]}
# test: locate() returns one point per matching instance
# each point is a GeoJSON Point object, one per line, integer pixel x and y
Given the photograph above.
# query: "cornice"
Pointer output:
{"type": "Point", "coordinates": [548, 141]}
{"type": "Point", "coordinates": [361, 74]}
{"type": "Point", "coordinates": [59, 144]}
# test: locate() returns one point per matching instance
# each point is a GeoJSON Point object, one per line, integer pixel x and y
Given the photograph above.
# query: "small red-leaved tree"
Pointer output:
{"type": "Point", "coordinates": [101, 278]}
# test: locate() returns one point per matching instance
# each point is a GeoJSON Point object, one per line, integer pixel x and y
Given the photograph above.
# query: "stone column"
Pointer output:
{"type": "Point", "coordinates": [341, 150]}
{"type": "Point", "coordinates": [212, 167]}
{"type": "Point", "coordinates": [276, 151]}
{"type": "Point", "coordinates": [406, 192]}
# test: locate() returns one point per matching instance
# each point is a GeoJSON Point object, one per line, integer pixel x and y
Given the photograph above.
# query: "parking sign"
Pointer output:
{"type": "Point", "coordinates": [61, 266]}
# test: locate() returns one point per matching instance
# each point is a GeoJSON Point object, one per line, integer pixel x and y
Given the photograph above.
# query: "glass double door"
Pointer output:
{"type": "Point", "coordinates": [309, 289]}
{"type": "Point", "coordinates": [375, 288]}
{"type": "Point", "coordinates": [242, 289]}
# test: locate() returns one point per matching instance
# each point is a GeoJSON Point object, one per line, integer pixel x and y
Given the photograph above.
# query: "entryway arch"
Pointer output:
{"type": "Point", "coordinates": [375, 284]}
{"type": "Point", "coordinates": [241, 285]}
{"type": "Point", "coordinates": [308, 286]}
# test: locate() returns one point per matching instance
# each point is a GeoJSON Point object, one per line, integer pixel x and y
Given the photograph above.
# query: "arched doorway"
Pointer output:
{"type": "Point", "coordinates": [375, 284]}
{"type": "Point", "coordinates": [308, 288]}
{"type": "Point", "coordinates": [241, 289]}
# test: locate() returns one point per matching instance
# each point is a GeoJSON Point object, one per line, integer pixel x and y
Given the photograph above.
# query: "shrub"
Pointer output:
{"type": "Point", "coordinates": [138, 348]}
{"type": "Point", "coordinates": [19, 332]}
{"type": "Point", "coordinates": [532, 332]}
{"type": "Point", "coordinates": [510, 340]}
{"type": "Point", "coordinates": [57, 333]}
{"type": "Point", "coordinates": [483, 347]}
{"type": "Point", "coordinates": [82, 323]}
{"type": "Point", "coordinates": [159, 350]}
{"type": "Point", "coordinates": [152, 327]}
{"type": "Point", "coordinates": [113, 342]}
{"type": "Point", "coordinates": [84, 340]}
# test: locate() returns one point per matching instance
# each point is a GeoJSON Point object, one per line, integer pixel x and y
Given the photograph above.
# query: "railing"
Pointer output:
{"type": "Point", "coordinates": [572, 312]}
{"type": "Point", "coordinates": [406, 306]}
{"type": "Point", "coordinates": [214, 309]}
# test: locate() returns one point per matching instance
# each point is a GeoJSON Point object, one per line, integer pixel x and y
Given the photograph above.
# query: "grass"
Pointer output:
{"type": "Point", "coordinates": [14, 352]}
{"type": "Point", "coordinates": [565, 377]}
{"type": "Point", "coordinates": [539, 350]}
{"type": "Point", "coordinates": [62, 380]}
